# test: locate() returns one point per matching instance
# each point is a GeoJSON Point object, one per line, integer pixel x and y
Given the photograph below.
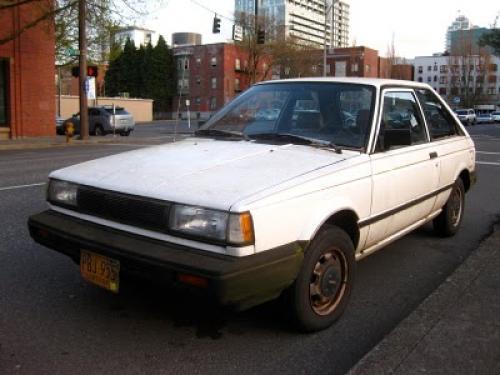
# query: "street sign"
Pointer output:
{"type": "Point", "coordinates": [237, 33]}
{"type": "Point", "coordinates": [456, 100]}
{"type": "Point", "coordinates": [70, 51]}
{"type": "Point", "coordinates": [90, 88]}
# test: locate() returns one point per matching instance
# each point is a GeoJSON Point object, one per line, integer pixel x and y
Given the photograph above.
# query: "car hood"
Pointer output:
{"type": "Point", "coordinates": [203, 172]}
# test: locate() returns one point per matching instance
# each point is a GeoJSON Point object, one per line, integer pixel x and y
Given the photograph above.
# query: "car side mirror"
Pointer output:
{"type": "Point", "coordinates": [397, 137]}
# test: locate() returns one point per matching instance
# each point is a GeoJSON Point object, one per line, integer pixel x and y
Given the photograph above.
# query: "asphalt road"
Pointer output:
{"type": "Point", "coordinates": [52, 322]}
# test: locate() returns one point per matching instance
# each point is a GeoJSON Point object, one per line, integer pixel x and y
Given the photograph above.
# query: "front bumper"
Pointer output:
{"type": "Point", "coordinates": [239, 282]}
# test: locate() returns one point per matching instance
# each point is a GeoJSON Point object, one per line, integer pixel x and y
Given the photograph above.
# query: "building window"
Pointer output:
{"type": "Point", "coordinates": [3, 92]}
{"type": "Point", "coordinates": [198, 60]}
{"type": "Point", "coordinates": [198, 80]}
{"type": "Point", "coordinates": [197, 100]}
{"type": "Point", "coordinates": [435, 67]}
{"type": "Point", "coordinates": [420, 69]}
{"type": "Point", "coordinates": [214, 82]}
{"type": "Point", "coordinates": [493, 67]}
{"type": "Point", "coordinates": [435, 78]}
{"type": "Point", "coordinates": [237, 64]}
{"type": "Point", "coordinates": [354, 67]}
{"type": "Point", "coordinates": [237, 84]}
{"type": "Point", "coordinates": [442, 91]}
{"type": "Point", "coordinates": [420, 79]}
{"type": "Point", "coordinates": [443, 69]}
{"type": "Point", "coordinates": [443, 80]}
{"type": "Point", "coordinates": [213, 103]}
{"type": "Point", "coordinates": [492, 79]}
{"type": "Point", "coordinates": [429, 79]}
{"type": "Point", "coordinates": [491, 91]}
{"type": "Point", "coordinates": [213, 61]}
{"type": "Point", "coordinates": [429, 68]}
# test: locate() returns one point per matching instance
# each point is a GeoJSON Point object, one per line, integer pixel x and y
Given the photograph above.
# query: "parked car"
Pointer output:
{"type": "Point", "coordinates": [495, 116]}
{"type": "Point", "coordinates": [484, 118]}
{"type": "Point", "coordinates": [467, 116]}
{"type": "Point", "coordinates": [249, 210]}
{"type": "Point", "coordinates": [102, 121]}
{"type": "Point", "coordinates": [59, 125]}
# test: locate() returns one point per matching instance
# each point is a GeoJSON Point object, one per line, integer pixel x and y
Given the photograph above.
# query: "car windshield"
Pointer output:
{"type": "Point", "coordinates": [118, 111]}
{"type": "Point", "coordinates": [331, 113]}
{"type": "Point", "coordinates": [461, 112]}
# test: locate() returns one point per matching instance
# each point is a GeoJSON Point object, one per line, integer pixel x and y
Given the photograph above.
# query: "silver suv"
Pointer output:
{"type": "Point", "coordinates": [104, 120]}
{"type": "Point", "coordinates": [466, 116]}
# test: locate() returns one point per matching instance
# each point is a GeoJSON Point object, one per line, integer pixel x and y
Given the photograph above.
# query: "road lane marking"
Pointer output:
{"type": "Point", "coordinates": [488, 163]}
{"type": "Point", "coordinates": [487, 152]}
{"type": "Point", "coordinates": [22, 186]}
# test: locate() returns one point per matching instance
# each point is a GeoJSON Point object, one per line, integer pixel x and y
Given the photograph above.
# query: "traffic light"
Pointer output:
{"type": "Point", "coordinates": [216, 25]}
{"type": "Point", "coordinates": [92, 71]}
{"type": "Point", "coordinates": [261, 36]}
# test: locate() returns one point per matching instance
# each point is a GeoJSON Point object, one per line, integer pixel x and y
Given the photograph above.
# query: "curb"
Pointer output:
{"type": "Point", "coordinates": [390, 353]}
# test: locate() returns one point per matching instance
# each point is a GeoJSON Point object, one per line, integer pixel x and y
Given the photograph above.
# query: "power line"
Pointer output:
{"type": "Point", "coordinates": [212, 11]}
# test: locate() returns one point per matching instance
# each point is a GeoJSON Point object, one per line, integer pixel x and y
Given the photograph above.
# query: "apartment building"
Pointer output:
{"type": "Point", "coordinates": [210, 75]}
{"type": "Point", "coordinates": [461, 80]}
{"type": "Point", "coordinates": [308, 21]}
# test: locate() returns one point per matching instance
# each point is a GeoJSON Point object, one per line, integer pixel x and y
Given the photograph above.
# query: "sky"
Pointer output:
{"type": "Point", "coordinates": [418, 27]}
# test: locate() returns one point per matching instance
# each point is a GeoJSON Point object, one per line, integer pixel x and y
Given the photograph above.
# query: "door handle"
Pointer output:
{"type": "Point", "coordinates": [433, 155]}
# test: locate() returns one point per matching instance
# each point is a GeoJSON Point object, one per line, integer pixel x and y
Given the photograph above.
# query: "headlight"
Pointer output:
{"type": "Point", "coordinates": [236, 229]}
{"type": "Point", "coordinates": [62, 193]}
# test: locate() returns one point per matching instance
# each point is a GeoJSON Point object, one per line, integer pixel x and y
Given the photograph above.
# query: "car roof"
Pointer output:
{"type": "Point", "coordinates": [377, 82]}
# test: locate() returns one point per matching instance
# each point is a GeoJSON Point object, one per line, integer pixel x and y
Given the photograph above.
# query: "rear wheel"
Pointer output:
{"type": "Point", "coordinates": [321, 291]}
{"type": "Point", "coordinates": [448, 221]}
{"type": "Point", "coordinates": [125, 133]}
{"type": "Point", "coordinates": [99, 131]}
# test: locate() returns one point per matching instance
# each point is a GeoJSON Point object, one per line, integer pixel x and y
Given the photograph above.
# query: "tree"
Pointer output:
{"type": "Point", "coordinates": [468, 65]}
{"type": "Point", "coordinates": [145, 72]}
{"type": "Point", "coordinates": [102, 18]}
{"type": "Point", "coordinates": [291, 57]}
{"type": "Point", "coordinates": [491, 39]}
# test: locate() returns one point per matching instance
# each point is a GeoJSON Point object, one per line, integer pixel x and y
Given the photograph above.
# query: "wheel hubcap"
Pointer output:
{"type": "Point", "coordinates": [456, 206]}
{"type": "Point", "coordinates": [328, 282]}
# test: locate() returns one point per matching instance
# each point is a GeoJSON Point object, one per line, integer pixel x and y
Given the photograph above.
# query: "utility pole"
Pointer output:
{"type": "Point", "coordinates": [82, 42]}
{"type": "Point", "coordinates": [328, 9]}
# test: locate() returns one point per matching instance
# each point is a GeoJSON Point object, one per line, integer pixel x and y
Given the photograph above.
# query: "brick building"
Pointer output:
{"type": "Point", "coordinates": [365, 62]}
{"type": "Point", "coordinates": [27, 72]}
{"type": "Point", "coordinates": [211, 75]}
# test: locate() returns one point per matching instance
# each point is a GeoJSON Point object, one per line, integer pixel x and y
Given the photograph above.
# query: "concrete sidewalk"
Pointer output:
{"type": "Point", "coordinates": [456, 330]}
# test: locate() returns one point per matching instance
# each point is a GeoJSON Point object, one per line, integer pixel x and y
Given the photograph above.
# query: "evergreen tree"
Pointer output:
{"type": "Point", "coordinates": [129, 71]}
{"type": "Point", "coordinates": [162, 76]}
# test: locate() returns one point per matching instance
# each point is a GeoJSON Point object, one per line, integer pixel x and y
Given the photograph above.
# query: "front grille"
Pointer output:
{"type": "Point", "coordinates": [123, 208]}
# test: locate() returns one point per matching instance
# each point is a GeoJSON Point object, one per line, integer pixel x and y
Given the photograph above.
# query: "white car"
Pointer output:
{"type": "Point", "coordinates": [496, 116]}
{"type": "Point", "coordinates": [467, 116]}
{"type": "Point", "coordinates": [253, 208]}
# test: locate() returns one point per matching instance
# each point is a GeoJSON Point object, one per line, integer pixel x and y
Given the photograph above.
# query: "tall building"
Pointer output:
{"type": "Point", "coordinates": [460, 23]}
{"type": "Point", "coordinates": [138, 35]}
{"type": "Point", "coordinates": [305, 20]}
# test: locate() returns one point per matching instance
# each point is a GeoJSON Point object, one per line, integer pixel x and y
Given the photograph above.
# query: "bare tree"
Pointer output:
{"type": "Point", "coordinates": [468, 64]}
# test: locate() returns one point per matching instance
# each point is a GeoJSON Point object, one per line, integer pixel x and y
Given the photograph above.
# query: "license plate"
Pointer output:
{"type": "Point", "coordinates": [100, 270]}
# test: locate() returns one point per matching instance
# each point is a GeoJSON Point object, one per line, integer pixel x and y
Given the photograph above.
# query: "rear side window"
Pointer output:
{"type": "Point", "coordinates": [118, 111]}
{"type": "Point", "coordinates": [440, 122]}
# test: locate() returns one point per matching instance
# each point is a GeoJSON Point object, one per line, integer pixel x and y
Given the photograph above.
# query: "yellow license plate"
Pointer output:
{"type": "Point", "coordinates": [100, 270]}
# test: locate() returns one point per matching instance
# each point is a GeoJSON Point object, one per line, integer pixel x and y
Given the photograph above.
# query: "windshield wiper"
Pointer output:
{"type": "Point", "coordinates": [296, 139]}
{"type": "Point", "coordinates": [221, 133]}
{"type": "Point", "coordinates": [285, 137]}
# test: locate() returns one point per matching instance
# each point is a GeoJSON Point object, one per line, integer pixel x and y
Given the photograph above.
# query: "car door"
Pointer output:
{"type": "Point", "coordinates": [449, 141]}
{"type": "Point", "coordinates": [403, 176]}
{"type": "Point", "coordinates": [93, 118]}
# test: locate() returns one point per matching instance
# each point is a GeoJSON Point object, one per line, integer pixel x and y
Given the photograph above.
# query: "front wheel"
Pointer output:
{"type": "Point", "coordinates": [321, 291]}
{"type": "Point", "coordinates": [448, 221]}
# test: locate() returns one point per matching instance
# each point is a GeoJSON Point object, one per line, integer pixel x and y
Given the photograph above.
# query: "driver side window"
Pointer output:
{"type": "Point", "coordinates": [401, 114]}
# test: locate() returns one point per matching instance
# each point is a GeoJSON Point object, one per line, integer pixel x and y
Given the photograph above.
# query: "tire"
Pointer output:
{"type": "Point", "coordinates": [320, 294]}
{"type": "Point", "coordinates": [125, 133]}
{"type": "Point", "coordinates": [99, 131]}
{"type": "Point", "coordinates": [448, 222]}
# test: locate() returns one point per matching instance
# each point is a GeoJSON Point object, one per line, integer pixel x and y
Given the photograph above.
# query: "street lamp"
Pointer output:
{"type": "Point", "coordinates": [328, 9]}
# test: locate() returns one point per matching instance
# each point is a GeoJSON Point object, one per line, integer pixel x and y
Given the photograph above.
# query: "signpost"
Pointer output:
{"type": "Point", "coordinates": [188, 113]}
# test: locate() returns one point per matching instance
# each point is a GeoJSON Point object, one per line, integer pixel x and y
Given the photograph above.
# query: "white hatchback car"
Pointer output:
{"type": "Point", "coordinates": [255, 207]}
